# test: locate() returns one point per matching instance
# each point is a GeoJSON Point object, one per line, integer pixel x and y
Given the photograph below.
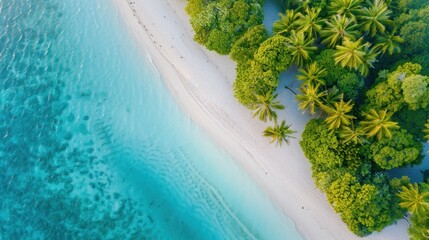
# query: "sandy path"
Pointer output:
{"type": "Point", "coordinates": [201, 83]}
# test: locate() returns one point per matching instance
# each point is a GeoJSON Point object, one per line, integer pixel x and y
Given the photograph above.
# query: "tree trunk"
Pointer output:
{"type": "Point", "coordinates": [290, 89]}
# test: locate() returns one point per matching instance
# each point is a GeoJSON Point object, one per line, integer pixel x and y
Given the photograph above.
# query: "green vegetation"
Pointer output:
{"type": "Point", "coordinates": [279, 133]}
{"type": "Point", "coordinates": [312, 74]}
{"type": "Point", "coordinates": [399, 151]}
{"type": "Point", "coordinates": [378, 124]}
{"type": "Point", "coordinates": [362, 195]}
{"type": "Point", "coordinates": [300, 47]}
{"type": "Point", "coordinates": [338, 115]}
{"type": "Point", "coordinates": [265, 105]}
{"type": "Point", "coordinates": [273, 54]}
{"type": "Point", "coordinates": [345, 80]}
{"type": "Point", "coordinates": [403, 87]}
{"type": "Point", "coordinates": [415, 198]}
{"type": "Point", "coordinates": [426, 130]}
{"type": "Point", "coordinates": [364, 72]}
{"type": "Point", "coordinates": [219, 24]}
{"type": "Point", "coordinates": [253, 79]}
{"type": "Point", "coordinates": [244, 48]}
{"type": "Point", "coordinates": [310, 98]}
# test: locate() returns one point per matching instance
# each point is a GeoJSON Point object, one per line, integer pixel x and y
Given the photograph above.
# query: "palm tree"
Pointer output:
{"type": "Point", "coordinates": [369, 59]}
{"type": "Point", "coordinates": [378, 124]}
{"type": "Point", "coordinates": [414, 200]}
{"type": "Point", "coordinates": [332, 96]}
{"type": "Point", "coordinates": [310, 22]}
{"type": "Point", "coordinates": [351, 54]}
{"type": "Point", "coordinates": [312, 74]}
{"type": "Point", "coordinates": [265, 105]}
{"type": "Point", "coordinates": [375, 18]}
{"type": "Point", "coordinates": [337, 29]}
{"type": "Point", "coordinates": [300, 47]}
{"type": "Point", "coordinates": [310, 98]}
{"type": "Point", "coordinates": [352, 134]}
{"type": "Point", "coordinates": [426, 130]}
{"type": "Point", "coordinates": [287, 22]}
{"type": "Point", "coordinates": [338, 115]}
{"type": "Point", "coordinates": [279, 133]}
{"type": "Point", "coordinates": [388, 43]}
{"type": "Point", "coordinates": [347, 8]}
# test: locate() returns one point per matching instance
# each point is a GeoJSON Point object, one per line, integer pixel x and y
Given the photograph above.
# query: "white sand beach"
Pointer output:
{"type": "Point", "coordinates": [201, 83]}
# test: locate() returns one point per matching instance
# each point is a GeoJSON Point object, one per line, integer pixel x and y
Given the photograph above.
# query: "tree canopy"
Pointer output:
{"type": "Point", "coordinates": [245, 47]}
{"type": "Point", "coordinates": [274, 54]}
{"type": "Point", "coordinates": [253, 79]}
{"type": "Point", "coordinates": [219, 24]}
{"type": "Point", "coordinates": [415, 198]}
{"type": "Point", "coordinates": [399, 151]}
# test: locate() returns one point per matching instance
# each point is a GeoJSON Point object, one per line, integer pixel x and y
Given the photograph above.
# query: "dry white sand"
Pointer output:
{"type": "Point", "coordinates": [201, 83]}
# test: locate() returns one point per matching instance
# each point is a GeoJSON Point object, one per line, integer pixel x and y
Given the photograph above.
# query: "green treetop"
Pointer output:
{"type": "Point", "coordinates": [377, 123]}
{"type": "Point", "coordinates": [310, 23]}
{"type": "Point", "coordinates": [426, 130]}
{"type": "Point", "coordinates": [274, 54]}
{"type": "Point", "coordinates": [414, 29]}
{"type": "Point", "coordinates": [253, 79]}
{"type": "Point", "coordinates": [355, 55]}
{"type": "Point", "coordinates": [351, 134]}
{"type": "Point", "coordinates": [404, 87]}
{"type": "Point", "coordinates": [337, 29]}
{"type": "Point", "coordinates": [416, 199]}
{"type": "Point", "coordinates": [416, 91]}
{"type": "Point", "coordinates": [279, 133]}
{"type": "Point", "coordinates": [312, 74]}
{"type": "Point", "coordinates": [287, 22]}
{"type": "Point", "coordinates": [388, 42]}
{"type": "Point", "coordinates": [375, 18]}
{"type": "Point", "coordinates": [265, 107]}
{"type": "Point", "coordinates": [364, 207]}
{"type": "Point", "coordinates": [219, 24]}
{"type": "Point", "coordinates": [245, 47]}
{"type": "Point", "coordinates": [300, 47]}
{"type": "Point", "coordinates": [399, 151]}
{"type": "Point", "coordinates": [347, 8]}
{"type": "Point", "coordinates": [339, 114]}
{"type": "Point", "coordinates": [413, 199]}
{"type": "Point", "coordinates": [310, 98]}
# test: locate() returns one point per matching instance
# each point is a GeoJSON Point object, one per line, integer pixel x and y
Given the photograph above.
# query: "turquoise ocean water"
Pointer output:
{"type": "Point", "coordinates": [92, 146]}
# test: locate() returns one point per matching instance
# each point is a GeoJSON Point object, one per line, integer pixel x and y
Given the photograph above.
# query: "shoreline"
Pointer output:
{"type": "Point", "coordinates": [201, 83]}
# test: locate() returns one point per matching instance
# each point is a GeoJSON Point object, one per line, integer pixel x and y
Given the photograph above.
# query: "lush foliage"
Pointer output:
{"type": "Point", "coordinates": [243, 50]}
{"type": "Point", "coordinates": [365, 207]}
{"type": "Point", "coordinates": [219, 24]}
{"type": "Point", "coordinates": [265, 105]}
{"type": "Point", "coordinates": [273, 54]}
{"type": "Point", "coordinates": [364, 198]}
{"type": "Point", "coordinates": [426, 130]}
{"type": "Point", "coordinates": [310, 98]}
{"type": "Point", "coordinates": [346, 81]}
{"type": "Point", "coordinates": [325, 150]}
{"type": "Point", "coordinates": [363, 67]}
{"type": "Point", "coordinates": [402, 87]}
{"type": "Point", "coordinates": [415, 198]}
{"type": "Point", "coordinates": [279, 133]}
{"type": "Point", "coordinates": [253, 79]}
{"type": "Point", "coordinates": [378, 124]}
{"type": "Point", "coordinates": [399, 151]}
{"type": "Point", "coordinates": [339, 114]}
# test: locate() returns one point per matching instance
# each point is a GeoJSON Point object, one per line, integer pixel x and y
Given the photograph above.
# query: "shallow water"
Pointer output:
{"type": "Point", "coordinates": [94, 147]}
